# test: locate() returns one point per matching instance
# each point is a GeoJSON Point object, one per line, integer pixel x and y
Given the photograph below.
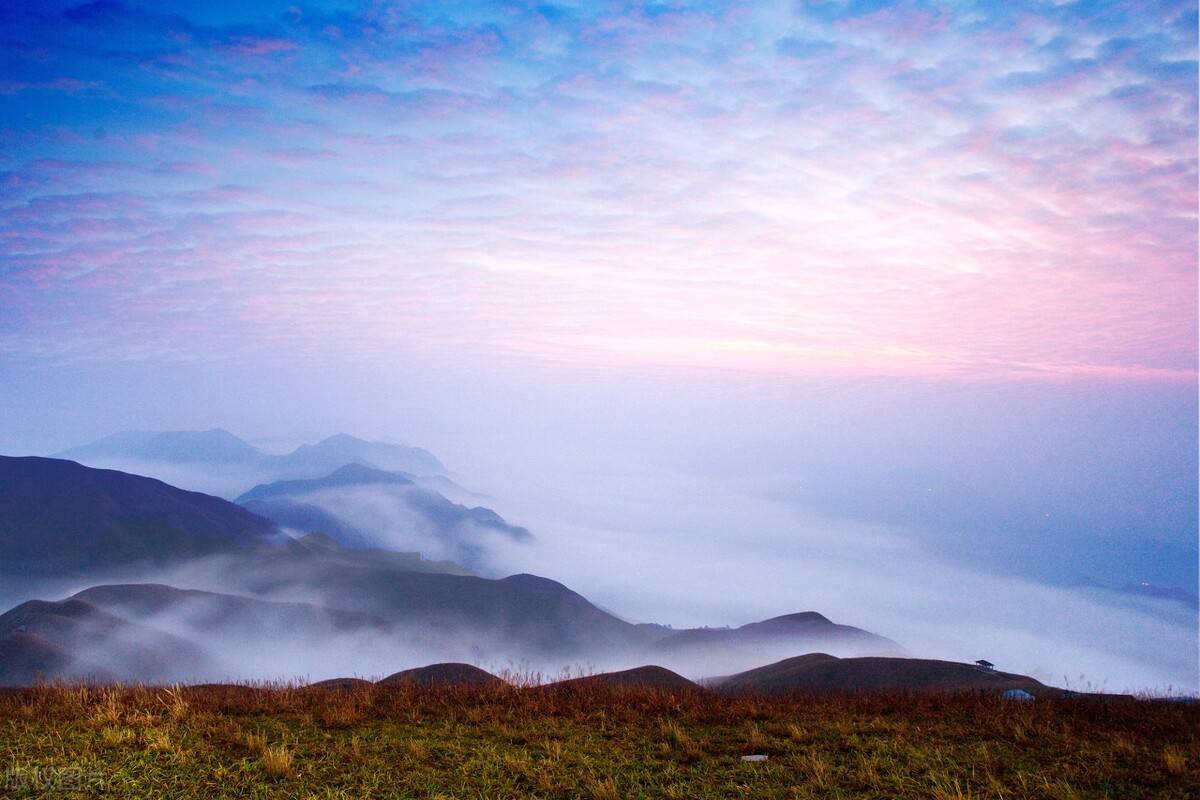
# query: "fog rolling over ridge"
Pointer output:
{"type": "Point", "coordinates": [977, 523]}
{"type": "Point", "coordinates": [687, 528]}
{"type": "Point", "coordinates": [303, 607]}
{"type": "Point", "coordinates": [544, 332]}
{"type": "Point", "coordinates": [359, 506]}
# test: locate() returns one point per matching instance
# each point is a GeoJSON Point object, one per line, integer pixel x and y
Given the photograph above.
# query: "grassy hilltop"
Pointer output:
{"type": "Point", "coordinates": [585, 741]}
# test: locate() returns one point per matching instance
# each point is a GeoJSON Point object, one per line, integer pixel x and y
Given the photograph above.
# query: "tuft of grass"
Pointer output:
{"type": "Point", "coordinates": [159, 739]}
{"type": "Point", "coordinates": [605, 789]}
{"type": "Point", "coordinates": [756, 740]}
{"type": "Point", "coordinates": [341, 715]}
{"type": "Point", "coordinates": [107, 710]}
{"type": "Point", "coordinates": [115, 737]}
{"type": "Point", "coordinates": [675, 736]}
{"type": "Point", "coordinates": [417, 749]}
{"type": "Point", "coordinates": [820, 773]}
{"type": "Point", "coordinates": [1174, 760]}
{"type": "Point", "coordinates": [174, 702]}
{"type": "Point", "coordinates": [676, 740]}
{"type": "Point", "coordinates": [277, 760]}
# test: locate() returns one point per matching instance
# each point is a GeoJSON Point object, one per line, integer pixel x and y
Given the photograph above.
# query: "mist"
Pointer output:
{"type": "Point", "coordinates": [963, 520]}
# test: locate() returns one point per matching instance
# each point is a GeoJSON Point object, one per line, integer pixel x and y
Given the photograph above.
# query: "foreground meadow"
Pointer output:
{"type": "Point", "coordinates": [591, 742]}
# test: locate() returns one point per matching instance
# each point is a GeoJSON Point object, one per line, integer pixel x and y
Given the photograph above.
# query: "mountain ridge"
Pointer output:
{"type": "Point", "coordinates": [401, 513]}
{"type": "Point", "coordinates": [252, 587]}
{"type": "Point", "coordinates": [60, 517]}
{"type": "Point", "coordinates": [217, 446]}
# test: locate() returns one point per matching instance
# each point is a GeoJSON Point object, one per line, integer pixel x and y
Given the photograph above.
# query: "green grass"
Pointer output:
{"type": "Point", "coordinates": [589, 743]}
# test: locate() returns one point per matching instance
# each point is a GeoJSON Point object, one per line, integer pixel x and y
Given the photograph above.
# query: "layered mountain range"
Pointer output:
{"type": "Point", "coordinates": [359, 506]}
{"type": "Point", "coordinates": [177, 585]}
{"type": "Point", "coordinates": [218, 447]}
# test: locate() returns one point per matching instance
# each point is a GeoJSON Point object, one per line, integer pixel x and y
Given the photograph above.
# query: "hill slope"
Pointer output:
{"type": "Point", "coordinates": [365, 617]}
{"type": "Point", "coordinates": [61, 518]}
{"type": "Point", "coordinates": [74, 639]}
{"type": "Point", "coordinates": [646, 677]}
{"type": "Point", "coordinates": [819, 672]}
{"type": "Point", "coordinates": [447, 674]}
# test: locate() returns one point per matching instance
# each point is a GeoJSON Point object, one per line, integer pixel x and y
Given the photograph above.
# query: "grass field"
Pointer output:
{"type": "Point", "coordinates": [586, 742]}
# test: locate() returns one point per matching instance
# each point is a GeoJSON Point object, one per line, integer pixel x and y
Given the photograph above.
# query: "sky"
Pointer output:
{"type": "Point", "coordinates": [925, 267]}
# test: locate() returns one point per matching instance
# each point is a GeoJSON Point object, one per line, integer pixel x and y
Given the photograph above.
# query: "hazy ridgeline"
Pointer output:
{"type": "Point", "coordinates": [682, 528]}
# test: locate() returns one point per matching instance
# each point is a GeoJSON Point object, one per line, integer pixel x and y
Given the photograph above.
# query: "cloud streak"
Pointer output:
{"type": "Point", "coordinates": [840, 188]}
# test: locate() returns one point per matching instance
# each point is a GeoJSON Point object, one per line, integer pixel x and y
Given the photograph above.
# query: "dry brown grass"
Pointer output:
{"type": "Point", "coordinates": [1174, 760]}
{"type": "Point", "coordinates": [339, 715]}
{"type": "Point", "coordinates": [594, 741]}
{"type": "Point", "coordinates": [604, 789]}
{"type": "Point", "coordinates": [174, 702]}
{"type": "Point", "coordinates": [277, 761]}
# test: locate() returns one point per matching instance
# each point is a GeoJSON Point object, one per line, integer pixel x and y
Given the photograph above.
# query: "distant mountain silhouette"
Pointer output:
{"type": "Point", "coordinates": [737, 648]}
{"type": "Point", "coordinates": [60, 518]}
{"type": "Point", "coordinates": [802, 625]}
{"type": "Point", "coordinates": [819, 672]}
{"type": "Point", "coordinates": [343, 476]}
{"type": "Point", "coordinates": [216, 446]}
{"type": "Point", "coordinates": [220, 447]}
{"type": "Point", "coordinates": [335, 451]}
{"type": "Point", "coordinates": [446, 674]}
{"type": "Point", "coordinates": [420, 514]}
{"type": "Point", "coordinates": [1145, 589]}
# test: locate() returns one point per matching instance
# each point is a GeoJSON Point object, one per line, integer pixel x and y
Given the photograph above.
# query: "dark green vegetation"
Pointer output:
{"type": "Point", "coordinates": [586, 740]}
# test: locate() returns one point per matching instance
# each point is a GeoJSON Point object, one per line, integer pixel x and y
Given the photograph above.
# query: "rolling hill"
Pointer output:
{"type": "Point", "coordinates": [820, 672]}
{"type": "Point", "coordinates": [646, 677]}
{"type": "Point", "coordinates": [446, 674]}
